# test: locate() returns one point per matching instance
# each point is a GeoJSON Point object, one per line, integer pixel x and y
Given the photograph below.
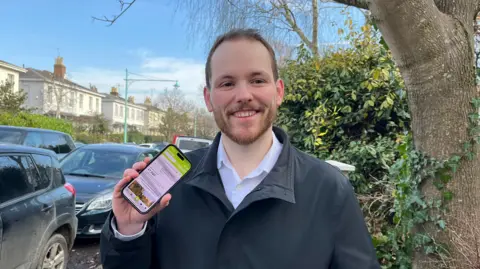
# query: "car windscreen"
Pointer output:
{"type": "Point", "coordinates": [10, 136]}
{"type": "Point", "coordinates": [192, 144]}
{"type": "Point", "coordinates": [98, 162]}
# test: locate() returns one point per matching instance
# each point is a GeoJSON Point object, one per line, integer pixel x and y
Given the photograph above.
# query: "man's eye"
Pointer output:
{"type": "Point", "coordinates": [226, 84]}
{"type": "Point", "coordinates": [258, 81]}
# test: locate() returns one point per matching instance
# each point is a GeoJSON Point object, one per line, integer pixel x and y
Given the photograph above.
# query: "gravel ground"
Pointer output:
{"type": "Point", "coordinates": [85, 255]}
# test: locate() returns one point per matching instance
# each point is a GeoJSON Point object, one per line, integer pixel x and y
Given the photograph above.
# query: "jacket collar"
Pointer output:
{"type": "Point", "coordinates": [279, 183]}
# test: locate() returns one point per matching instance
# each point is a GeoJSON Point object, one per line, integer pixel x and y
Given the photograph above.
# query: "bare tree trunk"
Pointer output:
{"type": "Point", "coordinates": [57, 111]}
{"type": "Point", "coordinates": [314, 47]}
{"type": "Point", "coordinates": [432, 43]}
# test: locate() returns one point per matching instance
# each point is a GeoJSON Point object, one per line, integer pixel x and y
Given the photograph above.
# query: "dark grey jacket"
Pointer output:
{"type": "Point", "coordinates": [303, 215]}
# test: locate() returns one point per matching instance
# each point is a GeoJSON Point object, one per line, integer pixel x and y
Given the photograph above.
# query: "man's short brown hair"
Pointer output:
{"type": "Point", "coordinates": [236, 34]}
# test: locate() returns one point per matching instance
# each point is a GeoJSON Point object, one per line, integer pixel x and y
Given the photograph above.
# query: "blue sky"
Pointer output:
{"type": "Point", "coordinates": [150, 39]}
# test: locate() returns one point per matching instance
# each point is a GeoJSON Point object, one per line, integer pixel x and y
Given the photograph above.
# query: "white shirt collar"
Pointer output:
{"type": "Point", "coordinates": [266, 165]}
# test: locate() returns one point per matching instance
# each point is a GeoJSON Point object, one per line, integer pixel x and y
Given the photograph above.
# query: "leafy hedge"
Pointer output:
{"type": "Point", "coordinates": [135, 136]}
{"type": "Point", "coordinates": [350, 106]}
{"type": "Point", "coordinates": [25, 119]}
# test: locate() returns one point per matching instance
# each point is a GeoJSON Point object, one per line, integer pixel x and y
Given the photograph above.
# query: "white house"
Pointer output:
{"type": "Point", "coordinates": [113, 108]}
{"type": "Point", "coordinates": [52, 93]}
{"type": "Point", "coordinates": [11, 72]}
{"type": "Point", "coordinates": [153, 118]}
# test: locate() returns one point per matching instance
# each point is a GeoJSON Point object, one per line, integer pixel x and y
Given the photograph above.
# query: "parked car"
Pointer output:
{"type": "Point", "coordinates": [60, 143]}
{"type": "Point", "coordinates": [158, 146]}
{"type": "Point", "coordinates": [147, 145]}
{"type": "Point", "coordinates": [94, 170]}
{"type": "Point", "coordinates": [79, 144]}
{"type": "Point", "coordinates": [189, 143]}
{"type": "Point", "coordinates": [37, 209]}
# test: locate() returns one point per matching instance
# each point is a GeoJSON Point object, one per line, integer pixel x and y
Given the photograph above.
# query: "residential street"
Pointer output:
{"type": "Point", "coordinates": [85, 255]}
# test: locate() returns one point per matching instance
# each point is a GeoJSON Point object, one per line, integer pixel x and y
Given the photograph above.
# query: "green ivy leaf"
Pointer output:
{"type": "Point", "coordinates": [448, 195]}
{"type": "Point", "coordinates": [441, 224]}
{"type": "Point", "coordinates": [476, 103]}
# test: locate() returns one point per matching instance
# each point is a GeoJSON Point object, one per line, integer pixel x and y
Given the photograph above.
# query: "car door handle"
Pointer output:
{"type": "Point", "coordinates": [46, 207]}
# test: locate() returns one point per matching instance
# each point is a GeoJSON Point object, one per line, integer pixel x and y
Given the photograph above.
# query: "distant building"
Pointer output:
{"type": "Point", "coordinates": [153, 118]}
{"type": "Point", "coordinates": [10, 72]}
{"type": "Point", "coordinates": [113, 108]}
{"type": "Point", "coordinates": [54, 94]}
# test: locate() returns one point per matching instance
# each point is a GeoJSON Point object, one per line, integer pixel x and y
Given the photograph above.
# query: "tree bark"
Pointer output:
{"type": "Point", "coordinates": [432, 44]}
{"type": "Point", "coordinates": [314, 27]}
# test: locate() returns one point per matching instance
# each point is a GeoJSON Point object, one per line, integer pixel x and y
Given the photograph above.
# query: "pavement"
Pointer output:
{"type": "Point", "coordinates": [85, 254]}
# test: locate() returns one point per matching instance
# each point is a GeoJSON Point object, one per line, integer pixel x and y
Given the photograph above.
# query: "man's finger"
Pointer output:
{"type": "Point", "coordinates": [130, 172]}
{"type": "Point", "coordinates": [139, 166]}
{"type": "Point", "coordinates": [119, 186]}
{"type": "Point", "coordinates": [146, 160]}
{"type": "Point", "coordinates": [162, 204]}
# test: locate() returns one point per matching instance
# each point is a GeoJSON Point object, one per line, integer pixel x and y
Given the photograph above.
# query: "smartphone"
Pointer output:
{"type": "Point", "coordinates": [161, 174]}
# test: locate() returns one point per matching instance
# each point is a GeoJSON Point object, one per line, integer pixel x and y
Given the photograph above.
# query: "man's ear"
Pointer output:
{"type": "Point", "coordinates": [280, 91]}
{"type": "Point", "coordinates": [207, 99]}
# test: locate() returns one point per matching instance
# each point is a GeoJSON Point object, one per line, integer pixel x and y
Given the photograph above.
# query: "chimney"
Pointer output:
{"type": "Point", "coordinates": [148, 101]}
{"type": "Point", "coordinates": [59, 70]}
{"type": "Point", "coordinates": [93, 88]}
{"type": "Point", "coordinates": [114, 91]}
{"type": "Point", "coordinates": [131, 99]}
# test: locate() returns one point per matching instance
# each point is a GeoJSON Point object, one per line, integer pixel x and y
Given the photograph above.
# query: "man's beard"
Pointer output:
{"type": "Point", "coordinates": [222, 122]}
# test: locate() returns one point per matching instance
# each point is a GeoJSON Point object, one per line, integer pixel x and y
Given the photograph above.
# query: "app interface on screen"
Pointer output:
{"type": "Point", "coordinates": [157, 179]}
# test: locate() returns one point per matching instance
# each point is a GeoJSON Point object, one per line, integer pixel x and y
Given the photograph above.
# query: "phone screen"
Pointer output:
{"type": "Point", "coordinates": [157, 179]}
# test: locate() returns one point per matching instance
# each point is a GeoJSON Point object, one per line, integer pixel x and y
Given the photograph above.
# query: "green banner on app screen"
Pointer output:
{"type": "Point", "coordinates": [181, 165]}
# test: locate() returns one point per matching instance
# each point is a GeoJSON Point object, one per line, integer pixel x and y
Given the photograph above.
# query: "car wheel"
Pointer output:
{"type": "Point", "coordinates": [55, 254]}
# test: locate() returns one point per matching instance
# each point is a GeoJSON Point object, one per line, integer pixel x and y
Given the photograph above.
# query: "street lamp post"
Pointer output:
{"type": "Point", "coordinates": [128, 82]}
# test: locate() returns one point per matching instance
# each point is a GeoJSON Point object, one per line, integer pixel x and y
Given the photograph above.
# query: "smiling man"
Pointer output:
{"type": "Point", "coordinates": [252, 200]}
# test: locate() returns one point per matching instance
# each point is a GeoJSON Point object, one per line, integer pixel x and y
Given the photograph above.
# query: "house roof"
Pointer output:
{"type": "Point", "coordinates": [33, 73]}
{"type": "Point", "coordinates": [111, 97]}
{"type": "Point", "coordinates": [12, 66]}
{"type": "Point", "coordinates": [47, 75]}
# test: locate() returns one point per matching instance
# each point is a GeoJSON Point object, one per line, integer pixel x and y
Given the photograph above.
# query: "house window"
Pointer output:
{"type": "Point", "coordinates": [98, 105]}
{"type": "Point", "coordinates": [90, 103]}
{"type": "Point", "coordinates": [133, 114]}
{"type": "Point", "coordinates": [11, 78]}
{"type": "Point", "coordinates": [128, 113]}
{"type": "Point", "coordinates": [121, 111]}
{"type": "Point", "coordinates": [81, 100]}
{"type": "Point", "coordinates": [115, 110]}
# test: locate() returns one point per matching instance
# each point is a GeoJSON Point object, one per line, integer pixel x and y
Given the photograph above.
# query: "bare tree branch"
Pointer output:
{"type": "Point", "coordinates": [286, 20]}
{"type": "Point", "coordinates": [123, 9]}
{"type": "Point", "coordinates": [315, 24]}
{"type": "Point", "coordinates": [290, 18]}
{"type": "Point", "coordinates": [354, 3]}
{"type": "Point", "coordinates": [455, 8]}
{"type": "Point", "coordinates": [458, 9]}
{"type": "Point", "coordinates": [60, 93]}
{"type": "Point", "coordinates": [402, 22]}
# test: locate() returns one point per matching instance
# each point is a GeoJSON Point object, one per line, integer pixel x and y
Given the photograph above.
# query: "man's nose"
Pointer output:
{"type": "Point", "coordinates": [243, 92]}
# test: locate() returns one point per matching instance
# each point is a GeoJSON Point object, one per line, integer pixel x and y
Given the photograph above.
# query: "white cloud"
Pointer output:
{"type": "Point", "coordinates": [188, 72]}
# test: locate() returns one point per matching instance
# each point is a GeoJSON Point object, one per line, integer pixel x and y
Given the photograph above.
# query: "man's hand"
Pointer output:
{"type": "Point", "coordinates": [129, 220]}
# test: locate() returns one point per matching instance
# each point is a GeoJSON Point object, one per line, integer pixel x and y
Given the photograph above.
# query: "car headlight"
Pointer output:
{"type": "Point", "coordinates": [103, 202]}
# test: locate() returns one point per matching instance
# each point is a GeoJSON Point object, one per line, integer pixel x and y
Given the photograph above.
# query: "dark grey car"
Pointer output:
{"type": "Point", "coordinates": [94, 170]}
{"type": "Point", "coordinates": [58, 142]}
{"type": "Point", "coordinates": [37, 209]}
